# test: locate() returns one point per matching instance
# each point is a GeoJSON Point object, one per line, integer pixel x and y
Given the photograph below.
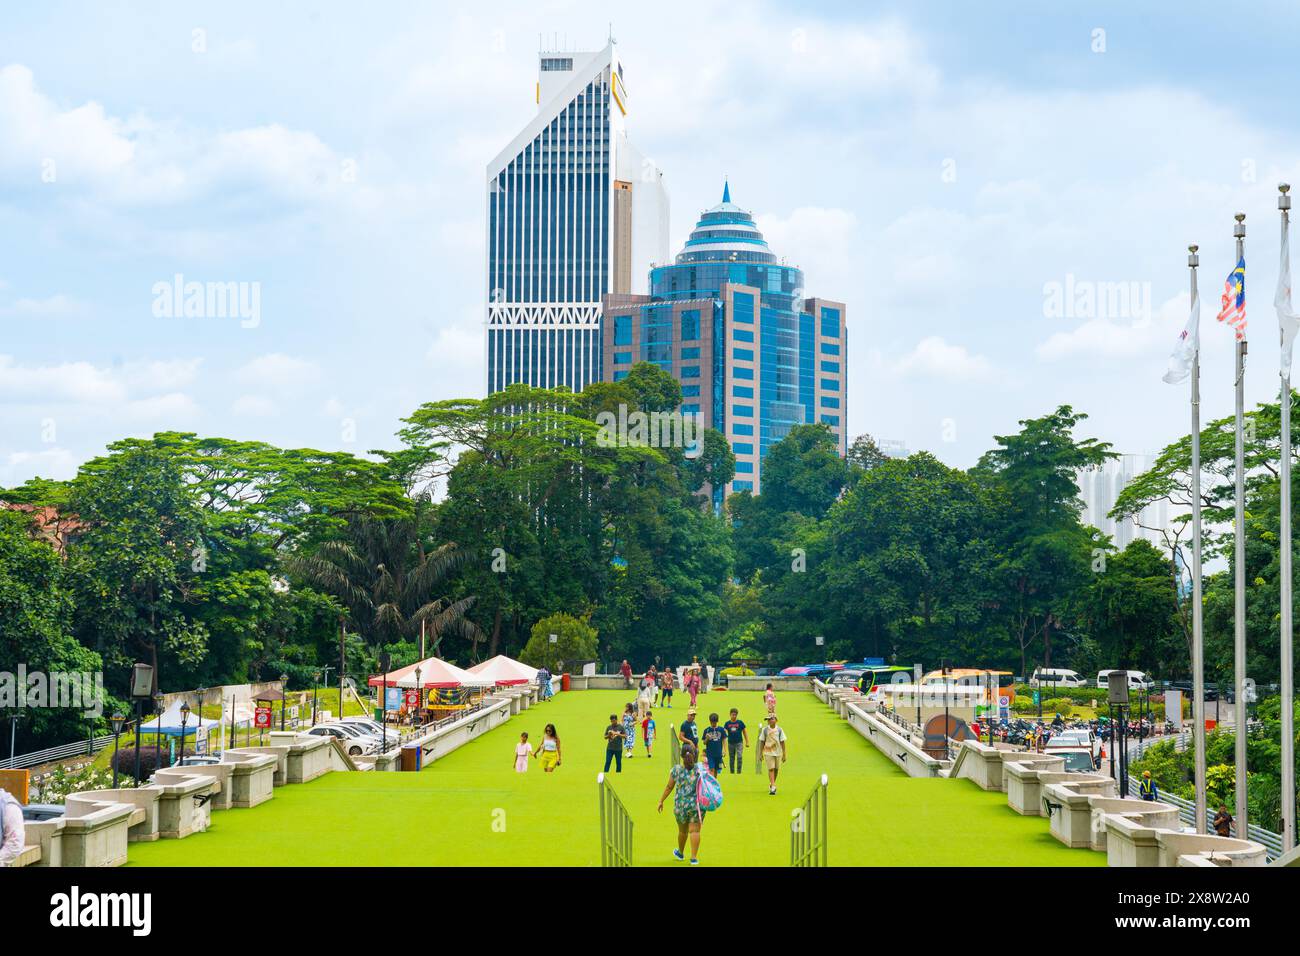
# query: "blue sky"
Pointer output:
{"type": "Point", "coordinates": [937, 166]}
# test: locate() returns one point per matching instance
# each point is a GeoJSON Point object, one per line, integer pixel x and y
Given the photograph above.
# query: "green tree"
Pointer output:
{"type": "Point", "coordinates": [575, 640]}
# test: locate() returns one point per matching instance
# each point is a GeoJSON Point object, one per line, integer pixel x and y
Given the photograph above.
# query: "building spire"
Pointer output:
{"type": "Point", "coordinates": [726, 191]}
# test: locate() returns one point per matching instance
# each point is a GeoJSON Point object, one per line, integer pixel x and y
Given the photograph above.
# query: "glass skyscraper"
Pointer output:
{"type": "Point", "coordinates": [730, 322]}
{"type": "Point", "coordinates": [574, 212]}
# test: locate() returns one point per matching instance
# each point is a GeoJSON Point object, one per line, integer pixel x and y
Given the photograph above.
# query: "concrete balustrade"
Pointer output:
{"type": "Point", "coordinates": [1027, 758]}
{"type": "Point", "coordinates": [46, 836]}
{"type": "Point", "coordinates": [280, 774]}
{"type": "Point", "coordinates": [95, 833]}
{"type": "Point", "coordinates": [1070, 809]}
{"type": "Point", "coordinates": [308, 757]}
{"type": "Point", "coordinates": [979, 763]}
{"type": "Point", "coordinates": [438, 743]}
{"type": "Point", "coordinates": [1025, 780]}
{"type": "Point", "coordinates": [219, 772]}
{"type": "Point", "coordinates": [1148, 813]}
{"type": "Point", "coordinates": [252, 777]}
{"type": "Point", "coordinates": [184, 801]}
{"type": "Point", "coordinates": [1130, 842]}
{"type": "Point", "coordinates": [146, 798]}
{"type": "Point", "coordinates": [893, 743]}
{"type": "Point", "coordinates": [1201, 848]}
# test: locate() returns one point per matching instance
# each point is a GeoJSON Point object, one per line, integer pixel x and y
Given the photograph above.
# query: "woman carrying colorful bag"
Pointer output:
{"type": "Point", "coordinates": [688, 778]}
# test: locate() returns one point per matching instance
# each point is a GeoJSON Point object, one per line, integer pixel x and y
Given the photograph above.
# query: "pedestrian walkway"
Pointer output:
{"type": "Point", "coordinates": [472, 808]}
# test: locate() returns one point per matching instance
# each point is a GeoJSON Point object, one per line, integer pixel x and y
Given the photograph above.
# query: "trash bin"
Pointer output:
{"type": "Point", "coordinates": [564, 682]}
{"type": "Point", "coordinates": [379, 715]}
{"type": "Point", "coordinates": [411, 757]}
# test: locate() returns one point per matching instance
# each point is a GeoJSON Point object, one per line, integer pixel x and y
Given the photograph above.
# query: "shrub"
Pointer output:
{"type": "Point", "coordinates": [736, 672]}
{"type": "Point", "coordinates": [1022, 702]}
{"type": "Point", "coordinates": [124, 761]}
{"type": "Point", "coordinates": [55, 786]}
{"type": "Point", "coordinates": [575, 641]}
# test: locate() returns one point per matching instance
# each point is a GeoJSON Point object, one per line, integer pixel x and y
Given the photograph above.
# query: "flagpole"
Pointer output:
{"type": "Point", "coordinates": [1198, 639]}
{"type": "Point", "coordinates": [1239, 560]}
{"type": "Point", "coordinates": [1287, 634]}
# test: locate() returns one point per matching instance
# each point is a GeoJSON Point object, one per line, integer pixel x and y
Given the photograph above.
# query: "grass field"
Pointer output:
{"type": "Point", "coordinates": [471, 808]}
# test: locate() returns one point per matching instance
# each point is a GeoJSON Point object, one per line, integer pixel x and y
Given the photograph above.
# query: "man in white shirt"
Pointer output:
{"type": "Point", "coordinates": [12, 831]}
{"type": "Point", "coordinates": [771, 746]}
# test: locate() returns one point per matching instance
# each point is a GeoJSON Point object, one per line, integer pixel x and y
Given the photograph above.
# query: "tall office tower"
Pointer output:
{"type": "Point", "coordinates": [574, 212]}
{"type": "Point", "coordinates": [730, 322]}
{"type": "Point", "coordinates": [1099, 489]}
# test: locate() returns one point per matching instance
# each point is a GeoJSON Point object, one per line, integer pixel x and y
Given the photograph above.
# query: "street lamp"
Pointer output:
{"type": "Point", "coordinates": [315, 684]}
{"type": "Point", "coordinates": [198, 723]}
{"type": "Point", "coordinates": [384, 661]}
{"type": "Point", "coordinates": [185, 718]}
{"type": "Point", "coordinates": [419, 699]}
{"type": "Point", "coordinates": [13, 736]}
{"type": "Point", "coordinates": [117, 720]}
{"type": "Point", "coordinates": [157, 731]}
{"type": "Point", "coordinates": [141, 690]}
{"type": "Point", "coordinates": [284, 679]}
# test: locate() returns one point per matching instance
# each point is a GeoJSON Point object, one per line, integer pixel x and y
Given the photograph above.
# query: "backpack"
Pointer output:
{"type": "Point", "coordinates": [708, 793]}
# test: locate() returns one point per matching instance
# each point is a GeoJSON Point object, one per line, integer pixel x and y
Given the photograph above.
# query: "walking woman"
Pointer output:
{"type": "Point", "coordinates": [686, 809]}
{"type": "Point", "coordinates": [549, 752]}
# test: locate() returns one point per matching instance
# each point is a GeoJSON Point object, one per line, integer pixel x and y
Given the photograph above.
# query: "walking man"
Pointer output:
{"type": "Point", "coordinates": [614, 735]}
{"type": "Point", "coordinates": [713, 737]}
{"type": "Point", "coordinates": [626, 670]}
{"type": "Point", "coordinates": [1147, 788]}
{"type": "Point", "coordinates": [737, 741]}
{"type": "Point", "coordinates": [771, 743]}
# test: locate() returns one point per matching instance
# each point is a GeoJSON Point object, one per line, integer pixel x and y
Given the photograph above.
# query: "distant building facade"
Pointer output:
{"type": "Point", "coordinates": [1100, 487]}
{"type": "Point", "coordinates": [731, 323]}
{"type": "Point", "coordinates": [574, 212]}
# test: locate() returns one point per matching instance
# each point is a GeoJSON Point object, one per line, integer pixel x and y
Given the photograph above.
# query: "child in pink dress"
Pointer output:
{"type": "Point", "coordinates": [769, 698]}
{"type": "Point", "coordinates": [522, 752]}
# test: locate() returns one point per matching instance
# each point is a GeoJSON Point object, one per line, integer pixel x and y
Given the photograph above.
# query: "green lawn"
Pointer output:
{"type": "Point", "coordinates": [471, 808]}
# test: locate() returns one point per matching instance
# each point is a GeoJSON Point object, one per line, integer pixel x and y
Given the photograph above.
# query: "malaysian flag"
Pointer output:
{"type": "Point", "coordinates": [1234, 299]}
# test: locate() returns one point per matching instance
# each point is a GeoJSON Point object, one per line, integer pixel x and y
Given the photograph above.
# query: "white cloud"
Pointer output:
{"type": "Point", "coordinates": [278, 371]}
{"type": "Point", "coordinates": [58, 464]}
{"type": "Point", "coordinates": [48, 308]}
{"type": "Point", "coordinates": [935, 358]}
{"type": "Point", "coordinates": [85, 383]}
{"type": "Point", "coordinates": [1111, 339]}
{"type": "Point", "coordinates": [255, 406]}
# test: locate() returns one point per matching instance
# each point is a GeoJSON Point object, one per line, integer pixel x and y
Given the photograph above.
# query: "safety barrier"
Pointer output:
{"type": "Point", "coordinates": [615, 827]}
{"type": "Point", "coordinates": [808, 829]}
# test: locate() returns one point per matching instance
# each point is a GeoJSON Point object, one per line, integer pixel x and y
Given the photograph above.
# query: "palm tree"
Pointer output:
{"type": "Point", "coordinates": [390, 582]}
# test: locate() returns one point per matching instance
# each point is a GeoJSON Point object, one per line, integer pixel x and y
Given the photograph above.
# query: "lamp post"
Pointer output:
{"type": "Point", "coordinates": [384, 661]}
{"type": "Point", "coordinates": [284, 679]}
{"type": "Point", "coordinates": [117, 720]}
{"type": "Point", "coordinates": [157, 731]}
{"type": "Point", "coordinates": [419, 699]}
{"type": "Point", "coordinates": [185, 718]}
{"type": "Point", "coordinates": [13, 736]}
{"type": "Point", "coordinates": [315, 683]}
{"type": "Point", "coordinates": [141, 689]}
{"type": "Point", "coordinates": [198, 722]}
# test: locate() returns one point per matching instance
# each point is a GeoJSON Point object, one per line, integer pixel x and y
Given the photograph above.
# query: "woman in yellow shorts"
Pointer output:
{"type": "Point", "coordinates": [550, 749]}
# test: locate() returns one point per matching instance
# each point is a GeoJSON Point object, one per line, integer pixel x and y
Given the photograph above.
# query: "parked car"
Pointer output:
{"type": "Point", "coordinates": [36, 812]}
{"type": "Point", "coordinates": [352, 740]}
{"type": "Point", "coordinates": [1057, 677]}
{"type": "Point", "coordinates": [1137, 680]}
{"type": "Point", "coordinates": [199, 760]}
{"type": "Point", "coordinates": [1211, 690]}
{"type": "Point", "coordinates": [1077, 759]}
{"type": "Point", "coordinates": [368, 726]}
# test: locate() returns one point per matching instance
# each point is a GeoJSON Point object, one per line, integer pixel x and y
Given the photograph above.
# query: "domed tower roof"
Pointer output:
{"type": "Point", "coordinates": [725, 233]}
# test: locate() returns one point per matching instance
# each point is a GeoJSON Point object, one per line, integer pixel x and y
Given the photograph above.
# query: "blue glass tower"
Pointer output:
{"type": "Point", "coordinates": [730, 320]}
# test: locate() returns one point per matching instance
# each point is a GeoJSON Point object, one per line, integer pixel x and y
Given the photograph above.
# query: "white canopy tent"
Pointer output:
{"type": "Point", "coordinates": [504, 671]}
{"type": "Point", "coordinates": [169, 723]}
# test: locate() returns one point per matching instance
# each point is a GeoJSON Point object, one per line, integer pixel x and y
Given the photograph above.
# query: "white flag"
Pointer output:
{"type": "Point", "coordinates": [1189, 343]}
{"type": "Point", "coordinates": [1287, 319]}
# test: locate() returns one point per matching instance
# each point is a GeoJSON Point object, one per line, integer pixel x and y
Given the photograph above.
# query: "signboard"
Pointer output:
{"type": "Point", "coordinates": [1117, 687]}
{"type": "Point", "coordinates": [1004, 706]}
{"type": "Point", "coordinates": [262, 718]}
{"type": "Point", "coordinates": [1174, 707]}
{"type": "Point", "coordinates": [392, 698]}
{"type": "Point", "coordinates": [412, 698]}
{"type": "Point", "coordinates": [820, 640]}
{"type": "Point", "coordinates": [1036, 698]}
{"type": "Point", "coordinates": [200, 744]}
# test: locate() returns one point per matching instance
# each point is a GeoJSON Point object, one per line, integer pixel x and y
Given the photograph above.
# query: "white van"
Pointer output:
{"type": "Point", "coordinates": [1057, 677]}
{"type": "Point", "coordinates": [1137, 680]}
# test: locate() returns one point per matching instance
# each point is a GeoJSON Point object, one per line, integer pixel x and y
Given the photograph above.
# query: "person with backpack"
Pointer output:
{"type": "Point", "coordinates": [713, 737]}
{"type": "Point", "coordinates": [771, 744]}
{"type": "Point", "coordinates": [13, 833]}
{"type": "Point", "coordinates": [687, 779]}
